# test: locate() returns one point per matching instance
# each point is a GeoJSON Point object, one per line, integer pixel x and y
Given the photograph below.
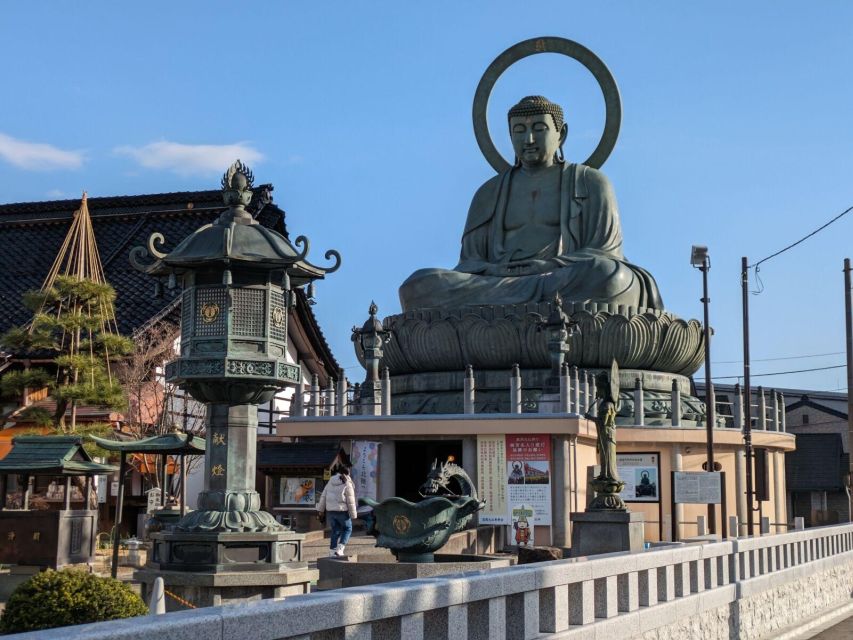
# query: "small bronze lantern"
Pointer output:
{"type": "Point", "coordinates": [238, 278]}
{"type": "Point", "coordinates": [369, 341]}
{"type": "Point", "coordinates": [558, 328]}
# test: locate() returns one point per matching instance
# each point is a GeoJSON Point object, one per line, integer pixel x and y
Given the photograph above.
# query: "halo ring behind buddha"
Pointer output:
{"type": "Point", "coordinates": [570, 48]}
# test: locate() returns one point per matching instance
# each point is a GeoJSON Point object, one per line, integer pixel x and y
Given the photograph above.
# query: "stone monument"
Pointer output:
{"type": "Point", "coordinates": [238, 278]}
{"type": "Point", "coordinates": [542, 230]}
{"type": "Point", "coordinates": [607, 526]}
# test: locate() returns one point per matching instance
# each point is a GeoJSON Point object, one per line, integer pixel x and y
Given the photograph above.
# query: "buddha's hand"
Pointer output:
{"type": "Point", "coordinates": [522, 268]}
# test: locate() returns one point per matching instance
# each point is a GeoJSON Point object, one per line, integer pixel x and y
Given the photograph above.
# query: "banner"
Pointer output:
{"type": "Point", "coordinates": [365, 465]}
{"type": "Point", "coordinates": [491, 479]}
{"type": "Point", "coordinates": [528, 473]}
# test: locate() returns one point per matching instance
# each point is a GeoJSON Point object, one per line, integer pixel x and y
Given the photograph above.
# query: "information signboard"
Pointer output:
{"type": "Point", "coordinates": [697, 487]}
{"type": "Point", "coordinates": [641, 474]}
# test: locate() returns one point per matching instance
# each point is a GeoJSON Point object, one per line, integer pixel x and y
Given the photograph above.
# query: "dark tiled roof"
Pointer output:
{"type": "Point", "coordinates": [49, 455]}
{"type": "Point", "coordinates": [31, 234]}
{"type": "Point", "coordinates": [806, 401]}
{"type": "Point", "coordinates": [297, 454]}
{"type": "Point", "coordinates": [816, 463]}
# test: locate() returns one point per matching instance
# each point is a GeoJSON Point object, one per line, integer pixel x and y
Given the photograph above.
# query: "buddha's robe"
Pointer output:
{"type": "Point", "coordinates": [583, 261]}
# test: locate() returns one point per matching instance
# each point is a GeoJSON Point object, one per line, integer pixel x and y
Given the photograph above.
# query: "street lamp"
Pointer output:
{"type": "Point", "coordinates": [700, 259]}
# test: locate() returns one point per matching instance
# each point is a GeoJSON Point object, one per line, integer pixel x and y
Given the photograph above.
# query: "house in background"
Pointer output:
{"type": "Point", "coordinates": [816, 472]}
{"type": "Point", "coordinates": [32, 234]}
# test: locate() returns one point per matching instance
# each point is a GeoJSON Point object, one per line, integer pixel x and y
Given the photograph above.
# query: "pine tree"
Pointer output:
{"type": "Point", "coordinates": [72, 322]}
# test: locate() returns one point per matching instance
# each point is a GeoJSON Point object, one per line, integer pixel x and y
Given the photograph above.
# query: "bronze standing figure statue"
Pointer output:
{"type": "Point", "coordinates": [607, 484]}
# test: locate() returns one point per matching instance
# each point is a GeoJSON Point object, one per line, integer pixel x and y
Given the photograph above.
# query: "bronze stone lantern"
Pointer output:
{"type": "Point", "coordinates": [238, 278]}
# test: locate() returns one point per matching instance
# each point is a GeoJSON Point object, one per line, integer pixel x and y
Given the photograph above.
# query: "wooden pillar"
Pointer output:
{"type": "Point", "coordinates": [122, 472]}
{"type": "Point", "coordinates": [164, 478]}
{"type": "Point", "coordinates": [67, 493]}
{"type": "Point", "coordinates": [25, 490]}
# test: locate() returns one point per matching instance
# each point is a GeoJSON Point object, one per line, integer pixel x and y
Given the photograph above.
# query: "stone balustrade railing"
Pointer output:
{"type": "Point", "coordinates": [745, 588]}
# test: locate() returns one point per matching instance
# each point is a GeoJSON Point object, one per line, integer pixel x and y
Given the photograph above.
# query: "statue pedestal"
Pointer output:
{"type": "Point", "coordinates": [209, 569]}
{"type": "Point", "coordinates": [595, 532]}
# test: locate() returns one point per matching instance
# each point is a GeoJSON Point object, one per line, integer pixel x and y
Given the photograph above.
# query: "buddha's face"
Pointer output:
{"type": "Point", "coordinates": [535, 139]}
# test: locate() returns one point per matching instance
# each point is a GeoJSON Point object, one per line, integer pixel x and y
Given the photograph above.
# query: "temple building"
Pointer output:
{"type": "Point", "coordinates": [32, 234]}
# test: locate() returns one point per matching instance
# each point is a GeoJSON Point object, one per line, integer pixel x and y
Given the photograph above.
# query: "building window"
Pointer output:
{"type": "Point", "coordinates": [805, 418]}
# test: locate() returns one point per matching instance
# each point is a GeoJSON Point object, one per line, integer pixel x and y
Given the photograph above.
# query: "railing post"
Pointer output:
{"type": "Point", "coordinates": [676, 403]}
{"type": "Point", "coordinates": [386, 392]}
{"type": "Point", "coordinates": [576, 391]}
{"type": "Point", "coordinates": [784, 413]}
{"type": "Point", "coordinates": [594, 411]}
{"type": "Point", "coordinates": [639, 410]}
{"type": "Point", "coordinates": [343, 387]}
{"type": "Point", "coordinates": [515, 390]}
{"type": "Point", "coordinates": [565, 389]}
{"type": "Point", "coordinates": [315, 395]}
{"type": "Point", "coordinates": [701, 528]}
{"type": "Point", "coordinates": [587, 399]}
{"type": "Point", "coordinates": [331, 402]}
{"type": "Point", "coordinates": [799, 523]}
{"type": "Point", "coordinates": [469, 392]}
{"type": "Point", "coordinates": [734, 527]}
{"type": "Point", "coordinates": [297, 401]}
{"type": "Point", "coordinates": [738, 407]}
{"type": "Point", "coordinates": [775, 425]}
{"type": "Point", "coordinates": [765, 525]}
{"type": "Point", "coordinates": [762, 409]}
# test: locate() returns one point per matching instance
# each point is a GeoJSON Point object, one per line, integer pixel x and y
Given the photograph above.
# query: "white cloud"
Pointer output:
{"type": "Point", "coordinates": [185, 159]}
{"type": "Point", "coordinates": [55, 194]}
{"type": "Point", "coordinates": [37, 156]}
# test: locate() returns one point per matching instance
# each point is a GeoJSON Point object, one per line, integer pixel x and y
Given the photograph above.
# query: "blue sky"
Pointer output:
{"type": "Point", "coordinates": [736, 133]}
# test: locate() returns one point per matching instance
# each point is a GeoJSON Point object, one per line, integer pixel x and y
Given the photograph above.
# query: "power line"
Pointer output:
{"type": "Point", "coordinates": [811, 355]}
{"type": "Point", "coordinates": [803, 239]}
{"type": "Point", "coordinates": [781, 373]}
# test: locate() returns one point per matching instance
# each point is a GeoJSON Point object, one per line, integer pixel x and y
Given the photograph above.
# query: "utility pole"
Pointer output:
{"type": "Point", "coordinates": [848, 317]}
{"type": "Point", "coordinates": [700, 259]}
{"type": "Point", "coordinates": [747, 409]}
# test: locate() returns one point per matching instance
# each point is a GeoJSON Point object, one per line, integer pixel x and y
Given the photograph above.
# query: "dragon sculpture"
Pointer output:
{"type": "Point", "coordinates": [414, 531]}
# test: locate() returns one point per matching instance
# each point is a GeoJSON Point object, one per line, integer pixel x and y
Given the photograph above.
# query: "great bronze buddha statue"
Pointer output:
{"type": "Point", "coordinates": [542, 227]}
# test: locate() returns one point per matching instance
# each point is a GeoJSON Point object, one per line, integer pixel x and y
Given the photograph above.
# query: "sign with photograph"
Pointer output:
{"type": "Point", "coordinates": [528, 473]}
{"type": "Point", "coordinates": [297, 491]}
{"type": "Point", "coordinates": [697, 487]}
{"type": "Point", "coordinates": [641, 474]}
{"type": "Point", "coordinates": [523, 518]}
{"type": "Point", "coordinates": [491, 479]}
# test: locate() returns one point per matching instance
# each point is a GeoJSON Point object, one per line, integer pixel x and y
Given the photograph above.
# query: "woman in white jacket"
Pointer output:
{"type": "Point", "coordinates": [338, 502]}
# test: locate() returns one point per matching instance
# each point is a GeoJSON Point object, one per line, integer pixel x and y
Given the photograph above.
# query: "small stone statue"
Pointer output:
{"type": "Point", "coordinates": [607, 484]}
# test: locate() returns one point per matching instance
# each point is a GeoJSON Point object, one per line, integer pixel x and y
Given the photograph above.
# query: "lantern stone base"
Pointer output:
{"type": "Point", "coordinates": [226, 552]}
{"type": "Point", "coordinates": [233, 587]}
{"type": "Point", "coordinates": [595, 532]}
{"type": "Point", "coordinates": [209, 569]}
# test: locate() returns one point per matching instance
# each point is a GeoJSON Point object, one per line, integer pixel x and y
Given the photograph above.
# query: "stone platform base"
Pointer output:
{"type": "Point", "coordinates": [220, 551]}
{"type": "Point", "coordinates": [213, 589]}
{"type": "Point", "coordinates": [355, 571]}
{"type": "Point", "coordinates": [595, 532]}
